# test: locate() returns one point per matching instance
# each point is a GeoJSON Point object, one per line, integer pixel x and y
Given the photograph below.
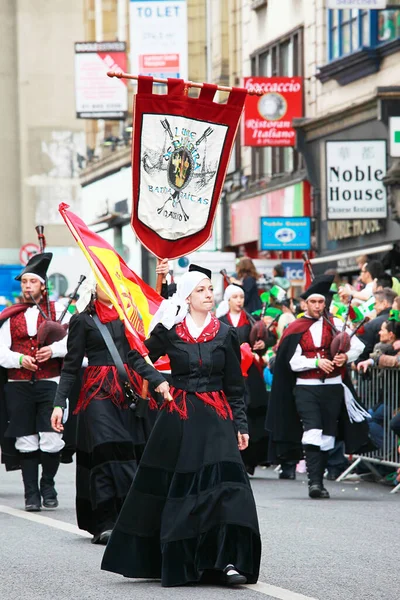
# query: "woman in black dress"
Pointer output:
{"type": "Point", "coordinates": [231, 312]}
{"type": "Point", "coordinates": [190, 514]}
{"type": "Point", "coordinates": [110, 438]}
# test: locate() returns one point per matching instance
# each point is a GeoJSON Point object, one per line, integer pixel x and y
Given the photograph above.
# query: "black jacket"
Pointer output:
{"type": "Point", "coordinates": [200, 367]}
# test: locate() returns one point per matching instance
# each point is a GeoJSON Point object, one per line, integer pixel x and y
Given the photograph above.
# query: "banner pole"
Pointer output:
{"type": "Point", "coordinates": [188, 84]}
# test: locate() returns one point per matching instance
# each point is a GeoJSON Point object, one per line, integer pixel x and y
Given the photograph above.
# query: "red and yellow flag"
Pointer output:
{"type": "Point", "coordinates": [135, 301]}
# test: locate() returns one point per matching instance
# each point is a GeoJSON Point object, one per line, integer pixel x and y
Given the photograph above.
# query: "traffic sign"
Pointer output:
{"type": "Point", "coordinates": [27, 251]}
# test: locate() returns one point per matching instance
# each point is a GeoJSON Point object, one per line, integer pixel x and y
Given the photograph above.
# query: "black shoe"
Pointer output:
{"type": "Point", "coordinates": [50, 502]}
{"type": "Point", "coordinates": [250, 469]}
{"type": "Point", "coordinates": [32, 506]}
{"type": "Point", "coordinates": [324, 493]}
{"type": "Point", "coordinates": [314, 490]}
{"type": "Point", "coordinates": [101, 538]}
{"type": "Point", "coordinates": [231, 577]}
{"type": "Point", "coordinates": [290, 476]}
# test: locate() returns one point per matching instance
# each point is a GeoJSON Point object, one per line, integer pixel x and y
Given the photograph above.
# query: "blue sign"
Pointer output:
{"type": "Point", "coordinates": [285, 233]}
{"type": "Point", "coordinates": [294, 269]}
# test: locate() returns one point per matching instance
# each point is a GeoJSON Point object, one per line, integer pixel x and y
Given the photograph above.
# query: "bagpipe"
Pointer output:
{"type": "Point", "coordinates": [50, 331]}
{"type": "Point", "coordinates": [341, 341]}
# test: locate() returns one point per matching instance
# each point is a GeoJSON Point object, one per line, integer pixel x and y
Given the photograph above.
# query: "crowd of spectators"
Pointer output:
{"type": "Point", "coordinates": [370, 303]}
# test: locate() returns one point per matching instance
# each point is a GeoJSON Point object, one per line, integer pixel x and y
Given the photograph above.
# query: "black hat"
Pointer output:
{"type": "Point", "coordinates": [206, 272]}
{"type": "Point", "coordinates": [37, 265]}
{"type": "Point", "coordinates": [321, 285]}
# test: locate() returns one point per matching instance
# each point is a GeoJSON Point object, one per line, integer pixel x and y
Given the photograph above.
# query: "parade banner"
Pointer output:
{"type": "Point", "coordinates": [135, 301]}
{"type": "Point", "coordinates": [181, 149]}
{"type": "Point", "coordinates": [268, 120]}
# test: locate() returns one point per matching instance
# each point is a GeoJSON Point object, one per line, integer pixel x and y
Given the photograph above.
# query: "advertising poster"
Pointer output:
{"type": "Point", "coordinates": [98, 96]}
{"type": "Point", "coordinates": [159, 38]}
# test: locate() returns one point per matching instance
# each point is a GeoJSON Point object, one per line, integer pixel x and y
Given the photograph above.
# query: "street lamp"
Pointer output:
{"type": "Point", "coordinates": [392, 183]}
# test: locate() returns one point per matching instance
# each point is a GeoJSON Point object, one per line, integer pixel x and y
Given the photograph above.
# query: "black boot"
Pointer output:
{"type": "Point", "coordinates": [30, 476]}
{"type": "Point", "coordinates": [324, 462]}
{"type": "Point", "coordinates": [288, 470]}
{"type": "Point", "coordinates": [50, 464]}
{"type": "Point", "coordinates": [313, 462]}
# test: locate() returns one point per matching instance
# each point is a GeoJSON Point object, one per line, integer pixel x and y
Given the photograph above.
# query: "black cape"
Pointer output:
{"type": "Point", "coordinates": [283, 422]}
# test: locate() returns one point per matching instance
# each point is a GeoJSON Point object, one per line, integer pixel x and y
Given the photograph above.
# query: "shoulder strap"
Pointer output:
{"type": "Point", "coordinates": [115, 355]}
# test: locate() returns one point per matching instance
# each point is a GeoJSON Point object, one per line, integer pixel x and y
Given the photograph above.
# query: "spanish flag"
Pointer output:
{"type": "Point", "coordinates": [135, 301]}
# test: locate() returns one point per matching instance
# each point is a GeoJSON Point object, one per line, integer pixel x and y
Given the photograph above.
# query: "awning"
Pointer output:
{"type": "Point", "coordinates": [351, 254]}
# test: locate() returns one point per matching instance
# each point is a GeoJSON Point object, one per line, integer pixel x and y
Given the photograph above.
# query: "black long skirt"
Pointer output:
{"type": "Point", "coordinates": [190, 510]}
{"type": "Point", "coordinates": [109, 441]}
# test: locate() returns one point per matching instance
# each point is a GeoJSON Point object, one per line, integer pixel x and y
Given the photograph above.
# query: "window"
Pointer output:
{"type": "Point", "coordinates": [279, 59]}
{"type": "Point", "coordinates": [351, 30]}
{"type": "Point", "coordinates": [358, 40]}
{"type": "Point", "coordinates": [388, 26]}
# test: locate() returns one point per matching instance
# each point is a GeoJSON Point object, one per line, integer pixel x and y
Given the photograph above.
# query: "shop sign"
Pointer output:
{"type": "Point", "coordinates": [96, 95]}
{"type": "Point", "coordinates": [360, 4]}
{"type": "Point", "coordinates": [341, 230]}
{"type": "Point", "coordinates": [285, 233]}
{"type": "Point", "coordinates": [394, 133]}
{"type": "Point", "coordinates": [159, 38]}
{"type": "Point", "coordinates": [268, 118]}
{"type": "Point", "coordinates": [294, 270]}
{"type": "Point", "coordinates": [354, 174]}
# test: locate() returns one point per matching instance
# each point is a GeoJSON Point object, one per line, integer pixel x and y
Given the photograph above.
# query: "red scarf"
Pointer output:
{"type": "Point", "coordinates": [243, 320]}
{"type": "Point", "coordinates": [105, 313]}
{"type": "Point", "coordinates": [206, 335]}
{"type": "Point", "coordinates": [216, 399]}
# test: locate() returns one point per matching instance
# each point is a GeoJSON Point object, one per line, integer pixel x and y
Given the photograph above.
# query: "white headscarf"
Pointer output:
{"type": "Point", "coordinates": [88, 288]}
{"type": "Point", "coordinates": [223, 308]}
{"type": "Point", "coordinates": [175, 309]}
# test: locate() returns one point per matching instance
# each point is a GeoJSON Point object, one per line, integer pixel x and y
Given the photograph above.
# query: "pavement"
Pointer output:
{"type": "Point", "coordinates": [345, 548]}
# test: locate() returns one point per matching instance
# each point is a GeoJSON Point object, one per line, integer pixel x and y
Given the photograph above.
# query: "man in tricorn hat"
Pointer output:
{"type": "Point", "coordinates": [312, 401]}
{"type": "Point", "coordinates": [33, 373]}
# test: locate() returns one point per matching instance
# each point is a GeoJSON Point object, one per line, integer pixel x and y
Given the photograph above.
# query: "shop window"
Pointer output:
{"type": "Point", "coordinates": [279, 59]}
{"type": "Point", "coordinates": [357, 42]}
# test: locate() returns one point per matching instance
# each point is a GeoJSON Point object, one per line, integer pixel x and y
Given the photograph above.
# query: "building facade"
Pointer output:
{"type": "Point", "coordinates": [352, 82]}
{"type": "Point", "coordinates": [349, 62]}
{"type": "Point", "coordinates": [40, 136]}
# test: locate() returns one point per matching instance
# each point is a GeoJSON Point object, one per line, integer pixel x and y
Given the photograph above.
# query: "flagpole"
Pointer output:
{"type": "Point", "coordinates": [188, 84]}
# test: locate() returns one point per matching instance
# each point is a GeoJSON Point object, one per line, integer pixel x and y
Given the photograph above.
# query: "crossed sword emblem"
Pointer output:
{"type": "Point", "coordinates": [175, 196]}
